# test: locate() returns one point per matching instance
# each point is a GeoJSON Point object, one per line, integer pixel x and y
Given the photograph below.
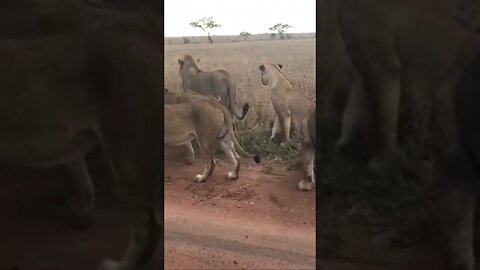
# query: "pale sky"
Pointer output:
{"type": "Point", "coordinates": [253, 16]}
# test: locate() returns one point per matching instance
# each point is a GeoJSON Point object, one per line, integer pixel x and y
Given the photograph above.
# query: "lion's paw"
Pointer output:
{"type": "Point", "coordinates": [109, 265]}
{"type": "Point", "coordinates": [305, 185]}
{"type": "Point", "coordinates": [287, 144]}
{"type": "Point", "coordinates": [199, 178]}
{"type": "Point", "coordinates": [232, 176]}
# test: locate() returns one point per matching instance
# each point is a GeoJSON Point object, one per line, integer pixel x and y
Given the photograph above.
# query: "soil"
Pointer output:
{"type": "Point", "coordinates": [259, 221]}
{"type": "Point", "coordinates": [35, 233]}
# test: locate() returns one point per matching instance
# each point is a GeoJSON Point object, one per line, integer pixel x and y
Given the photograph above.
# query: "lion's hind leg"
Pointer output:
{"type": "Point", "coordinates": [229, 149]}
{"type": "Point", "coordinates": [384, 93]}
{"type": "Point", "coordinates": [207, 172]}
{"type": "Point", "coordinates": [296, 133]}
{"type": "Point", "coordinates": [308, 158]}
{"type": "Point", "coordinates": [455, 208]}
{"type": "Point", "coordinates": [189, 153]}
{"type": "Point", "coordinates": [80, 193]}
{"type": "Point", "coordinates": [206, 149]}
{"type": "Point", "coordinates": [138, 179]}
{"type": "Point", "coordinates": [285, 122]}
{"type": "Point", "coordinates": [276, 128]}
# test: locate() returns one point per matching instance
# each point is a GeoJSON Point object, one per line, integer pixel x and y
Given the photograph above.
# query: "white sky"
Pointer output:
{"type": "Point", "coordinates": [253, 16]}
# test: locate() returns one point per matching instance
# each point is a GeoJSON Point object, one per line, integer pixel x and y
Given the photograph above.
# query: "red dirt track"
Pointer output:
{"type": "Point", "coordinates": [34, 229]}
{"type": "Point", "coordinates": [260, 221]}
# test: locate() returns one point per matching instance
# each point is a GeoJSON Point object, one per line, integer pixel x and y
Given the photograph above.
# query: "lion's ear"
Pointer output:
{"type": "Point", "coordinates": [180, 62]}
{"type": "Point", "coordinates": [279, 66]}
{"type": "Point", "coordinates": [262, 67]}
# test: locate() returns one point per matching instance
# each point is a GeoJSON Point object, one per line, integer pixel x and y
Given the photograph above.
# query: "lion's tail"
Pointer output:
{"type": "Point", "coordinates": [230, 126]}
{"type": "Point", "coordinates": [240, 113]}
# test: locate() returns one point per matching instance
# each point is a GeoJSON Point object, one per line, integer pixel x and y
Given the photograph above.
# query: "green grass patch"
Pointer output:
{"type": "Point", "coordinates": [258, 142]}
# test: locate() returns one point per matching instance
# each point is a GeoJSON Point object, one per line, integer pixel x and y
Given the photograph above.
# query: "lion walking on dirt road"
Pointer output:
{"type": "Point", "coordinates": [207, 121]}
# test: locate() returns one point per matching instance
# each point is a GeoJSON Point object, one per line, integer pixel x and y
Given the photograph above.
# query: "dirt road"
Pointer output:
{"type": "Point", "coordinates": [260, 221]}
{"type": "Point", "coordinates": [34, 229]}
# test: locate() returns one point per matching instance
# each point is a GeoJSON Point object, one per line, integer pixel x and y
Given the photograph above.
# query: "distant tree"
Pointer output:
{"type": "Point", "coordinates": [273, 35]}
{"type": "Point", "coordinates": [245, 35]}
{"type": "Point", "coordinates": [280, 28]}
{"type": "Point", "coordinates": [206, 24]}
{"type": "Point", "coordinates": [186, 40]}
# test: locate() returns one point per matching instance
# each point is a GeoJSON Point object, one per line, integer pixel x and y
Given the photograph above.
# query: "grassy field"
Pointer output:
{"type": "Point", "coordinates": [241, 60]}
{"type": "Point", "coordinates": [236, 38]}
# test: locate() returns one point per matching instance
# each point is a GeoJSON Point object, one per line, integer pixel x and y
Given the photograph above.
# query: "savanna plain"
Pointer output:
{"type": "Point", "coordinates": [261, 220]}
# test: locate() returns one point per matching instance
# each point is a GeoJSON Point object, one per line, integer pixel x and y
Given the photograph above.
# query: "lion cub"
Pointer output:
{"type": "Point", "coordinates": [290, 105]}
{"type": "Point", "coordinates": [207, 121]}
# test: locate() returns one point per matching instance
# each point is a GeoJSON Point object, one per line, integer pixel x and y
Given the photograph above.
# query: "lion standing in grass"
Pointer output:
{"type": "Point", "coordinates": [290, 105]}
{"type": "Point", "coordinates": [216, 83]}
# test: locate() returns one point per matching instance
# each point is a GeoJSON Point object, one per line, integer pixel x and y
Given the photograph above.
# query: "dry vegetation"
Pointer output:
{"type": "Point", "coordinates": [237, 38]}
{"type": "Point", "coordinates": [353, 200]}
{"type": "Point", "coordinates": [241, 60]}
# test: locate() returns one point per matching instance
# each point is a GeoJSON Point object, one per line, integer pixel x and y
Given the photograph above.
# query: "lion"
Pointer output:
{"type": "Point", "coordinates": [290, 105]}
{"type": "Point", "coordinates": [420, 54]}
{"type": "Point", "coordinates": [215, 83]}
{"type": "Point", "coordinates": [456, 157]}
{"type": "Point", "coordinates": [307, 149]}
{"type": "Point", "coordinates": [402, 50]}
{"type": "Point", "coordinates": [207, 121]}
{"type": "Point", "coordinates": [64, 94]}
{"type": "Point", "coordinates": [186, 96]}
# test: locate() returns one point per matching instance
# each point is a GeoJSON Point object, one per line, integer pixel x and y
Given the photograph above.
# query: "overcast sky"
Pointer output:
{"type": "Point", "coordinates": [253, 16]}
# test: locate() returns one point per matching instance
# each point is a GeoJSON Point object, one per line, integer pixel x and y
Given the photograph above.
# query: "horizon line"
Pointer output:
{"type": "Point", "coordinates": [235, 34]}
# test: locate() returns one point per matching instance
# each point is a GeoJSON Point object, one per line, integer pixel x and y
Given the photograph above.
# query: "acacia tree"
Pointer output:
{"type": "Point", "coordinates": [206, 24]}
{"type": "Point", "coordinates": [280, 28]}
{"type": "Point", "coordinates": [245, 35]}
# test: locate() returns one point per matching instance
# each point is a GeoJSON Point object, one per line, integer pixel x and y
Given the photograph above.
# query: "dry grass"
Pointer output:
{"type": "Point", "coordinates": [235, 38]}
{"type": "Point", "coordinates": [241, 60]}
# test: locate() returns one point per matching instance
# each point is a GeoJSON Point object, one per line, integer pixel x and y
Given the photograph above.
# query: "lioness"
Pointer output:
{"type": "Point", "coordinates": [457, 157]}
{"type": "Point", "coordinates": [64, 94]}
{"type": "Point", "coordinates": [207, 121]}
{"type": "Point", "coordinates": [402, 50]}
{"type": "Point", "coordinates": [307, 149]}
{"type": "Point", "coordinates": [290, 105]}
{"type": "Point", "coordinates": [408, 48]}
{"type": "Point", "coordinates": [211, 83]}
{"type": "Point", "coordinates": [185, 96]}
